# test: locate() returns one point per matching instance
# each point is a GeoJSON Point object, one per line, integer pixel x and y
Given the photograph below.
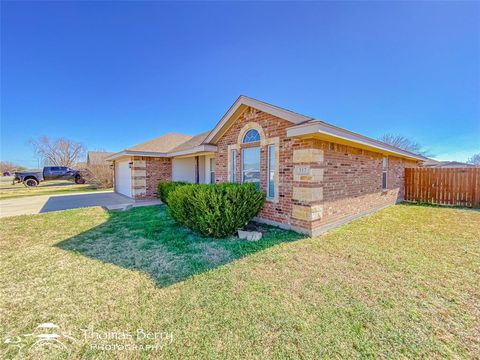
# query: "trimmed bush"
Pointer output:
{"type": "Point", "coordinates": [216, 210]}
{"type": "Point", "coordinates": [164, 188]}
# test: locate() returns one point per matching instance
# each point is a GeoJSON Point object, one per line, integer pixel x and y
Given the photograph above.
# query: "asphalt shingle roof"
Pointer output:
{"type": "Point", "coordinates": [162, 144]}
{"type": "Point", "coordinates": [191, 143]}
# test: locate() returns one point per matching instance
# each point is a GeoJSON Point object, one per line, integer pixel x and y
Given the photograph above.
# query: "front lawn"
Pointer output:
{"type": "Point", "coordinates": [54, 187]}
{"type": "Point", "coordinates": [400, 283]}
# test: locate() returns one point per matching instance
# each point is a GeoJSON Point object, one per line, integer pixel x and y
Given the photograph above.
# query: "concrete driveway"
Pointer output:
{"type": "Point", "coordinates": [45, 203]}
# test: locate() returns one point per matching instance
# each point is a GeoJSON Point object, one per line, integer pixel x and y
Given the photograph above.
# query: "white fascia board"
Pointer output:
{"type": "Point", "coordinates": [194, 150]}
{"type": "Point", "coordinates": [322, 128]}
{"type": "Point", "coordinates": [136, 153]}
{"type": "Point", "coordinates": [115, 156]}
{"type": "Point", "coordinates": [260, 105]}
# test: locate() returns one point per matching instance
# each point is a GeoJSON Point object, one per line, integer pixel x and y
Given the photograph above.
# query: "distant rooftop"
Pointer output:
{"type": "Point", "coordinates": [97, 157]}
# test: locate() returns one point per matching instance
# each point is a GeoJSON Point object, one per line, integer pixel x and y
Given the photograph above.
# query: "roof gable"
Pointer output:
{"type": "Point", "coordinates": [244, 102]}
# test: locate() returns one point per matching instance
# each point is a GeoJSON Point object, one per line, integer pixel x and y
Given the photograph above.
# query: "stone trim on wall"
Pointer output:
{"type": "Point", "coordinates": [307, 191]}
{"type": "Point", "coordinates": [307, 174]}
{"type": "Point", "coordinates": [307, 212]}
{"type": "Point", "coordinates": [311, 155]}
{"type": "Point", "coordinates": [139, 176]}
{"type": "Point", "coordinates": [307, 194]}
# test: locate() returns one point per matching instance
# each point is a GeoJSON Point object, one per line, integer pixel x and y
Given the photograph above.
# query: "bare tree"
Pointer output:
{"type": "Point", "coordinates": [475, 159]}
{"type": "Point", "coordinates": [404, 143]}
{"type": "Point", "coordinates": [100, 175]}
{"type": "Point", "coordinates": [60, 152]}
{"type": "Point", "coordinates": [9, 166]}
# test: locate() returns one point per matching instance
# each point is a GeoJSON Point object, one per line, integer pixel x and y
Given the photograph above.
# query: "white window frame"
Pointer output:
{"type": "Point", "coordinates": [233, 165]}
{"type": "Point", "coordinates": [270, 170]}
{"type": "Point", "coordinates": [385, 173]}
{"type": "Point", "coordinates": [212, 170]}
{"type": "Point", "coordinates": [244, 141]}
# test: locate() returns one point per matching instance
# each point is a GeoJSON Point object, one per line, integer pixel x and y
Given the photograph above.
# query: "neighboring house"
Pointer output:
{"type": "Point", "coordinates": [445, 164]}
{"type": "Point", "coordinates": [98, 157]}
{"type": "Point", "coordinates": [316, 175]}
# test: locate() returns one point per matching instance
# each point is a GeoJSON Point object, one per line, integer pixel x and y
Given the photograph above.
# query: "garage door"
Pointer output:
{"type": "Point", "coordinates": [123, 178]}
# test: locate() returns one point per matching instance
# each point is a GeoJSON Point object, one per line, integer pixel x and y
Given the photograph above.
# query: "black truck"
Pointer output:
{"type": "Point", "coordinates": [32, 178]}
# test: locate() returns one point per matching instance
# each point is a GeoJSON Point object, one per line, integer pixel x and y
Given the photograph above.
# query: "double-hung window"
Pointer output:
{"type": "Point", "coordinates": [251, 159]}
{"type": "Point", "coordinates": [271, 171]}
{"type": "Point", "coordinates": [251, 166]}
{"type": "Point", "coordinates": [233, 166]}
{"type": "Point", "coordinates": [212, 170]}
{"type": "Point", "coordinates": [384, 173]}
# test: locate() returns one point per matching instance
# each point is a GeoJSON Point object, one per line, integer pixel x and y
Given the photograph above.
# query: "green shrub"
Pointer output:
{"type": "Point", "coordinates": [164, 189]}
{"type": "Point", "coordinates": [216, 210]}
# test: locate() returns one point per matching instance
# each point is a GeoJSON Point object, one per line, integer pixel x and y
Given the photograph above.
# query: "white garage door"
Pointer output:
{"type": "Point", "coordinates": [123, 178]}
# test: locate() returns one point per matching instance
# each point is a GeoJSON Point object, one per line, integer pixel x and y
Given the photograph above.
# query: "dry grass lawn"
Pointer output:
{"type": "Point", "coordinates": [401, 283]}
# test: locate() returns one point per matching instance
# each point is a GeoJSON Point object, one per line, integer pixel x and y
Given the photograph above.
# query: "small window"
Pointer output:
{"type": "Point", "coordinates": [212, 170]}
{"type": "Point", "coordinates": [251, 166]}
{"type": "Point", "coordinates": [252, 135]}
{"type": "Point", "coordinates": [271, 171]}
{"type": "Point", "coordinates": [233, 169]}
{"type": "Point", "coordinates": [385, 173]}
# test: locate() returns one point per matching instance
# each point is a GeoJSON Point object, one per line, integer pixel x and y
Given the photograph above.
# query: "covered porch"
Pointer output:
{"type": "Point", "coordinates": [195, 169]}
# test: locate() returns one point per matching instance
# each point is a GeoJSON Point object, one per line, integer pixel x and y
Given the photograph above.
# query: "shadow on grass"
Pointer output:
{"type": "Point", "coordinates": [147, 239]}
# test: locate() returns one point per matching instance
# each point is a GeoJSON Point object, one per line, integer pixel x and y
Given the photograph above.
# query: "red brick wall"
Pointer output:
{"type": "Point", "coordinates": [158, 169]}
{"type": "Point", "coordinates": [273, 127]}
{"type": "Point", "coordinates": [352, 178]}
{"type": "Point", "coordinates": [352, 182]}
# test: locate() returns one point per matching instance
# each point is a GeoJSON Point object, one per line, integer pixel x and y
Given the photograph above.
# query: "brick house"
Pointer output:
{"type": "Point", "coordinates": [316, 175]}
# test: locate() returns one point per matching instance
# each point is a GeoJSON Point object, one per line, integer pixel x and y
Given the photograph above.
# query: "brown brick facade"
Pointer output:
{"type": "Point", "coordinates": [352, 182]}
{"type": "Point", "coordinates": [147, 172]}
{"type": "Point", "coordinates": [272, 127]}
{"type": "Point", "coordinates": [319, 183]}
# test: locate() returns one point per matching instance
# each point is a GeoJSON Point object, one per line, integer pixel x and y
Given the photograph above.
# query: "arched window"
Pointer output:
{"type": "Point", "coordinates": [252, 135]}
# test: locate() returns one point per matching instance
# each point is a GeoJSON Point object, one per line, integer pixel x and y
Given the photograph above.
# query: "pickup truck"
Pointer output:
{"type": "Point", "coordinates": [31, 178]}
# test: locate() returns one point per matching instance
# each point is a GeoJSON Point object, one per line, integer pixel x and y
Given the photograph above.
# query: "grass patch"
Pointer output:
{"type": "Point", "coordinates": [148, 239]}
{"type": "Point", "coordinates": [54, 187]}
{"type": "Point", "coordinates": [400, 283]}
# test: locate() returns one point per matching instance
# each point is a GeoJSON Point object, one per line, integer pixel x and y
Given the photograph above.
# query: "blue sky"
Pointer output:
{"type": "Point", "coordinates": [112, 75]}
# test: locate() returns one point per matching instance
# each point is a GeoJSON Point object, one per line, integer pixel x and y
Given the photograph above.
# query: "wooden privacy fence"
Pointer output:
{"type": "Point", "coordinates": [443, 186]}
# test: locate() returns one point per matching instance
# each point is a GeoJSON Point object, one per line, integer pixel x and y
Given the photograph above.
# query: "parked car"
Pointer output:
{"type": "Point", "coordinates": [32, 178]}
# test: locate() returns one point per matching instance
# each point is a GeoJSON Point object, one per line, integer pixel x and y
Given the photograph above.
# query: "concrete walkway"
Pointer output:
{"type": "Point", "coordinates": [45, 203]}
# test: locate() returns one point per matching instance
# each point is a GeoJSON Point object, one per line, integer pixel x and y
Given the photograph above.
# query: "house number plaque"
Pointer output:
{"type": "Point", "coordinates": [302, 170]}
